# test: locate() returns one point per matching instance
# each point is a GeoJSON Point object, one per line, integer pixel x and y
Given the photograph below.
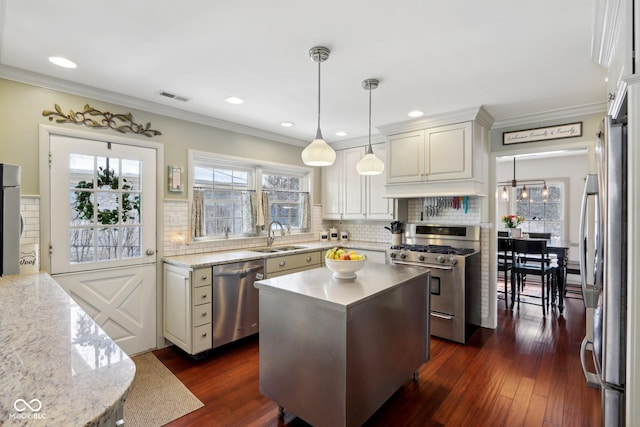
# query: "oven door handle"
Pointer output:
{"type": "Point", "coordinates": [417, 264]}
{"type": "Point", "coordinates": [441, 316]}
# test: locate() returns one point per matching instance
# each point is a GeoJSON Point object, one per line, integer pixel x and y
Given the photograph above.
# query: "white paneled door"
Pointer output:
{"type": "Point", "coordinates": [103, 234]}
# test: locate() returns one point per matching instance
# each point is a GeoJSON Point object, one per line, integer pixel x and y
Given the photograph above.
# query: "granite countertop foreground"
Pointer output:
{"type": "Point", "coordinates": [57, 366]}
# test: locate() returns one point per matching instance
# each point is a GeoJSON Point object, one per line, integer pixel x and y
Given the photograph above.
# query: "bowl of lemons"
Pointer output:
{"type": "Point", "coordinates": [344, 263]}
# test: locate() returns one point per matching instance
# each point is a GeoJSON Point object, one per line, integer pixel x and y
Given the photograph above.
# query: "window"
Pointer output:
{"type": "Point", "coordinates": [222, 190]}
{"type": "Point", "coordinates": [234, 197]}
{"type": "Point", "coordinates": [286, 200]}
{"type": "Point", "coordinates": [542, 214]}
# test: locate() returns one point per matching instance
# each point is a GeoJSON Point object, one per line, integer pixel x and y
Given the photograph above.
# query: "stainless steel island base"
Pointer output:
{"type": "Point", "coordinates": [331, 351]}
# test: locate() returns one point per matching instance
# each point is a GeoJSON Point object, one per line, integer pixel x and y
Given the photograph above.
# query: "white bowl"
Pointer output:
{"type": "Point", "coordinates": [344, 269]}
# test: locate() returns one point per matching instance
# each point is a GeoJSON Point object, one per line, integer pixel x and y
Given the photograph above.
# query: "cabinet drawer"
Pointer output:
{"type": "Point", "coordinates": [201, 338]}
{"type": "Point", "coordinates": [288, 262]}
{"type": "Point", "coordinates": [201, 314]}
{"type": "Point", "coordinates": [202, 295]}
{"type": "Point", "coordinates": [201, 277]}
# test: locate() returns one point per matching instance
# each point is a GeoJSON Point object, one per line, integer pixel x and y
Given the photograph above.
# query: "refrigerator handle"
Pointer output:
{"type": "Point", "coordinates": [590, 293]}
{"type": "Point", "coordinates": [593, 379]}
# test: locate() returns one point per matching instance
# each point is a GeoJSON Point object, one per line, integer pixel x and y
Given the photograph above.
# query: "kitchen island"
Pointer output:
{"type": "Point", "coordinates": [57, 366]}
{"type": "Point", "coordinates": [333, 351]}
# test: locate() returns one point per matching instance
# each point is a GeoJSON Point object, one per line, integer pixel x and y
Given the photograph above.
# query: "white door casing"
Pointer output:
{"type": "Point", "coordinates": [113, 276]}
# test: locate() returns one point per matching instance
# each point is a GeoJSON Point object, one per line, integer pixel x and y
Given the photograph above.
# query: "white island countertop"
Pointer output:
{"type": "Point", "coordinates": [57, 367]}
{"type": "Point", "coordinates": [320, 285]}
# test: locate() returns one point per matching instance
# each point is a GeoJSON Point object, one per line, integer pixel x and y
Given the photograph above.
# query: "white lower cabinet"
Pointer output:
{"type": "Point", "coordinates": [286, 264]}
{"type": "Point", "coordinates": [187, 308]}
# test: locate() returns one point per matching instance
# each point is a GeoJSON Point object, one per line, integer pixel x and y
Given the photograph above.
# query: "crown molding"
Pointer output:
{"type": "Point", "coordinates": [561, 113]}
{"type": "Point", "coordinates": [40, 80]}
{"type": "Point", "coordinates": [443, 119]}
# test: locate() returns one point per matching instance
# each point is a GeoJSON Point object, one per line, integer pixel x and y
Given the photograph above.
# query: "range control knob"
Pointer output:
{"type": "Point", "coordinates": [453, 261]}
{"type": "Point", "coordinates": [440, 259]}
{"type": "Point", "coordinates": [393, 254]}
{"type": "Point", "coordinates": [421, 258]}
{"type": "Point", "coordinates": [403, 255]}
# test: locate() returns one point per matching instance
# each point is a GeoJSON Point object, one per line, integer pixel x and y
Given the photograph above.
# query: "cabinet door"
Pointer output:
{"type": "Point", "coordinates": [449, 152]}
{"type": "Point", "coordinates": [177, 306]}
{"type": "Point", "coordinates": [377, 206]}
{"type": "Point", "coordinates": [406, 157]}
{"type": "Point", "coordinates": [354, 185]}
{"type": "Point", "coordinates": [332, 181]}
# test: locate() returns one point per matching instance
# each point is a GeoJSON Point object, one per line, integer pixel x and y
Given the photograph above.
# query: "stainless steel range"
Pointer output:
{"type": "Point", "coordinates": [452, 252]}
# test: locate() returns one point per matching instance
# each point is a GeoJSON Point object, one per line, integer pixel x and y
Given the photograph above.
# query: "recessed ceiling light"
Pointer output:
{"type": "Point", "coordinates": [62, 62]}
{"type": "Point", "coordinates": [341, 133]}
{"type": "Point", "coordinates": [287, 124]}
{"type": "Point", "coordinates": [235, 100]}
{"type": "Point", "coordinates": [416, 113]}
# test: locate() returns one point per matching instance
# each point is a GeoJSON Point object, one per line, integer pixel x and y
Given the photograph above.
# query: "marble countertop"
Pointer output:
{"type": "Point", "coordinates": [320, 285]}
{"type": "Point", "coordinates": [207, 259]}
{"type": "Point", "coordinates": [57, 367]}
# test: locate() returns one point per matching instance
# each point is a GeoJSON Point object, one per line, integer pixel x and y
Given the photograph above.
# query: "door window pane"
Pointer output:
{"type": "Point", "coordinates": [104, 201]}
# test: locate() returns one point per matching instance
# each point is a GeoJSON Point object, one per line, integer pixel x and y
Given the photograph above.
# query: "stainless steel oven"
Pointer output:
{"type": "Point", "coordinates": [452, 253]}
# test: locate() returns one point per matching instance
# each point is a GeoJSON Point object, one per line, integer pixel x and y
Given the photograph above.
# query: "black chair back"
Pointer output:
{"type": "Point", "coordinates": [503, 234]}
{"type": "Point", "coordinates": [546, 236]}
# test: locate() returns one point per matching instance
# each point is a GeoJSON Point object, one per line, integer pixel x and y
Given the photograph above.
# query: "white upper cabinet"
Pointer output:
{"type": "Point", "coordinates": [436, 154]}
{"type": "Point", "coordinates": [613, 46]}
{"type": "Point", "coordinates": [348, 195]}
{"type": "Point", "coordinates": [444, 155]}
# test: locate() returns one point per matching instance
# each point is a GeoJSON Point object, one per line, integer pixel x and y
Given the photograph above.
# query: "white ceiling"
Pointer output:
{"type": "Point", "coordinates": [515, 58]}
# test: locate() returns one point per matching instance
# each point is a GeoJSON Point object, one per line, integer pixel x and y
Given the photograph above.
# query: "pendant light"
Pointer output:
{"type": "Point", "coordinates": [318, 153]}
{"type": "Point", "coordinates": [370, 164]}
{"type": "Point", "coordinates": [524, 193]}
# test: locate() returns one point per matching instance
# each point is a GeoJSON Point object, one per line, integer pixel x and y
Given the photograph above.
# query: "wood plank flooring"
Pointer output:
{"type": "Point", "coordinates": [524, 373]}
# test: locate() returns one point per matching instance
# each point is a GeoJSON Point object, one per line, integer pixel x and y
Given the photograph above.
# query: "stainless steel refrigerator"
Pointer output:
{"type": "Point", "coordinates": [10, 220]}
{"type": "Point", "coordinates": [603, 267]}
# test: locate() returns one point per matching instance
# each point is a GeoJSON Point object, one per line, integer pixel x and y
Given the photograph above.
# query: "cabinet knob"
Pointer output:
{"type": "Point", "coordinates": [203, 278]}
{"type": "Point", "coordinates": [204, 296]}
{"type": "Point", "coordinates": [204, 314]}
{"type": "Point", "coordinates": [204, 335]}
{"type": "Point", "coordinates": [308, 259]}
{"type": "Point", "coordinates": [282, 263]}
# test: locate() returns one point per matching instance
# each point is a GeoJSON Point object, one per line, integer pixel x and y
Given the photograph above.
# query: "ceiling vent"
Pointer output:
{"type": "Point", "coordinates": [173, 96]}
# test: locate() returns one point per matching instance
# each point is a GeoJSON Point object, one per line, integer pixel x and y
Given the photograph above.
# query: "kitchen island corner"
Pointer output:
{"type": "Point", "coordinates": [333, 351]}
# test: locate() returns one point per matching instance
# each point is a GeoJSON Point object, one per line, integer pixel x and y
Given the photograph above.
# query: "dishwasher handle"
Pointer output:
{"type": "Point", "coordinates": [244, 272]}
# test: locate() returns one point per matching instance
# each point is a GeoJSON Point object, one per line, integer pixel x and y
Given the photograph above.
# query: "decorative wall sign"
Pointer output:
{"type": "Point", "coordinates": [105, 120]}
{"type": "Point", "coordinates": [570, 130]}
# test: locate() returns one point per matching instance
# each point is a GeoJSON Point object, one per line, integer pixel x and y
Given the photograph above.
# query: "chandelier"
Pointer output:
{"type": "Point", "coordinates": [524, 193]}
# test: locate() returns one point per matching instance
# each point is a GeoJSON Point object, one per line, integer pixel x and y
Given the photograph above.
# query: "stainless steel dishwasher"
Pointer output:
{"type": "Point", "coordinates": [235, 300]}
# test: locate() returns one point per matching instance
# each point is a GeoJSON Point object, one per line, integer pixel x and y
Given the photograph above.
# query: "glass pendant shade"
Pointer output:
{"type": "Point", "coordinates": [318, 153]}
{"type": "Point", "coordinates": [505, 193]}
{"type": "Point", "coordinates": [370, 165]}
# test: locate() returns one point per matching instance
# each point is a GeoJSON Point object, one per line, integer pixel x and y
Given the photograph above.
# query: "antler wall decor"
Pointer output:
{"type": "Point", "coordinates": [107, 120]}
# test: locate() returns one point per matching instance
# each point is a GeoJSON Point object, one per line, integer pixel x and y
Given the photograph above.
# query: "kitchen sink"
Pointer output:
{"type": "Point", "coordinates": [276, 249]}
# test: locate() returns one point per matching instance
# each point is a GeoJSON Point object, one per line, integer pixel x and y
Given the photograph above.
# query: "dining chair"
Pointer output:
{"type": "Point", "coordinates": [505, 264]}
{"type": "Point", "coordinates": [546, 236]}
{"type": "Point", "coordinates": [530, 257]}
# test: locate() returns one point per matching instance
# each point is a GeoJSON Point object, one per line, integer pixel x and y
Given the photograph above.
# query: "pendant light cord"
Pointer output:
{"type": "Point", "coordinates": [370, 150]}
{"type": "Point", "coordinates": [318, 132]}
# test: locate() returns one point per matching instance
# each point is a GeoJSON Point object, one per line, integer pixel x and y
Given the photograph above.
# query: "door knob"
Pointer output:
{"type": "Point", "coordinates": [150, 252]}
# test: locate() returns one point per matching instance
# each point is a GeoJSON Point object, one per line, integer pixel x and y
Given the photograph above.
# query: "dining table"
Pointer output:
{"type": "Point", "coordinates": [561, 250]}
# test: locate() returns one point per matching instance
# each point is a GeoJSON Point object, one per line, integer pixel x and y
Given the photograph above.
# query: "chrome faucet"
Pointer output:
{"type": "Point", "coordinates": [270, 236]}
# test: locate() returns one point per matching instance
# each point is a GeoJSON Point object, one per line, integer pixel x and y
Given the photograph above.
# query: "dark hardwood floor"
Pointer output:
{"type": "Point", "coordinates": [524, 373]}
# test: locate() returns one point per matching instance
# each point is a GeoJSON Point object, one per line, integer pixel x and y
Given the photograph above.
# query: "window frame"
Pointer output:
{"type": "Point", "coordinates": [256, 168]}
